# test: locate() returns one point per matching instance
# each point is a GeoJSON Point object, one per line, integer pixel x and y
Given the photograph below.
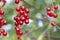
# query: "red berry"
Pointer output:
{"type": "Point", "coordinates": [21, 22]}
{"type": "Point", "coordinates": [55, 15]}
{"type": "Point", "coordinates": [4, 22]}
{"type": "Point", "coordinates": [17, 1]}
{"type": "Point", "coordinates": [17, 29]}
{"type": "Point", "coordinates": [27, 10]}
{"type": "Point", "coordinates": [1, 12]}
{"type": "Point", "coordinates": [2, 30]}
{"type": "Point", "coordinates": [48, 9]}
{"type": "Point", "coordinates": [26, 21]}
{"type": "Point", "coordinates": [50, 13]}
{"type": "Point", "coordinates": [21, 12]}
{"type": "Point", "coordinates": [4, 33]}
{"type": "Point", "coordinates": [1, 18]}
{"type": "Point", "coordinates": [16, 23]}
{"type": "Point", "coordinates": [22, 8]}
{"type": "Point", "coordinates": [55, 7]}
{"type": "Point", "coordinates": [18, 9]}
{"type": "Point", "coordinates": [4, 1]}
{"type": "Point", "coordinates": [20, 33]}
{"type": "Point", "coordinates": [25, 15]}
{"type": "Point", "coordinates": [22, 18]}
{"type": "Point", "coordinates": [16, 18]}
{"type": "Point", "coordinates": [53, 23]}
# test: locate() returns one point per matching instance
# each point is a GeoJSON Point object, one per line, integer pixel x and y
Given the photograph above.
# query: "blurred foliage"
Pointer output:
{"type": "Point", "coordinates": [39, 5]}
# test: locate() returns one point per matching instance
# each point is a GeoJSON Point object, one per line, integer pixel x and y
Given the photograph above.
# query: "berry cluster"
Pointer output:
{"type": "Point", "coordinates": [21, 18]}
{"type": "Point", "coordinates": [52, 14]}
{"type": "Point", "coordinates": [2, 21]}
{"type": "Point", "coordinates": [2, 32]}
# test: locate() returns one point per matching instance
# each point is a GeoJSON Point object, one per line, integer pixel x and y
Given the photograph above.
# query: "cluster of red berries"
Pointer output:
{"type": "Point", "coordinates": [17, 1]}
{"type": "Point", "coordinates": [52, 14]}
{"type": "Point", "coordinates": [2, 22]}
{"type": "Point", "coordinates": [18, 32]}
{"type": "Point", "coordinates": [4, 1]}
{"type": "Point", "coordinates": [3, 32]}
{"type": "Point", "coordinates": [21, 18]}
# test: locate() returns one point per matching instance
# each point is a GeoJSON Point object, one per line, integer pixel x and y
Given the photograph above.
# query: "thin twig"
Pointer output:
{"type": "Point", "coordinates": [48, 35]}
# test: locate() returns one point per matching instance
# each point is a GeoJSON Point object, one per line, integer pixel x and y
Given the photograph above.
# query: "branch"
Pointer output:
{"type": "Point", "coordinates": [29, 4]}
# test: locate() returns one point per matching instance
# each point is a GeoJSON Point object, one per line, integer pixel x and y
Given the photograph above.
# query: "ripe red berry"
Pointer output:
{"type": "Point", "coordinates": [21, 12]}
{"type": "Point", "coordinates": [16, 18]}
{"type": "Point", "coordinates": [25, 14]}
{"type": "Point", "coordinates": [50, 13]}
{"type": "Point", "coordinates": [22, 8]}
{"type": "Point", "coordinates": [55, 7]}
{"type": "Point", "coordinates": [26, 21]}
{"type": "Point", "coordinates": [55, 15]}
{"type": "Point", "coordinates": [17, 29]}
{"type": "Point", "coordinates": [27, 17]}
{"type": "Point", "coordinates": [1, 12]}
{"type": "Point", "coordinates": [18, 9]}
{"type": "Point", "coordinates": [4, 33]}
{"type": "Point", "coordinates": [21, 22]}
{"type": "Point", "coordinates": [16, 23]}
{"type": "Point", "coordinates": [27, 10]}
{"type": "Point", "coordinates": [4, 22]}
{"type": "Point", "coordinates": [48, 9]}
{"type": "Point", "coordinates": [1, 18]}
{"type": "Point", "coordinates": [22, 18]}
{"type": "Point", "coordinates": [20, 33]}
{"type": "Point", "coordinates": [17, 1]}
{"type": "Point", "coordinates": [53, 23]}
{"type": "Point", "coordinates": [2, 30]}
{"type": "Point", "coordinates": [4, 1]}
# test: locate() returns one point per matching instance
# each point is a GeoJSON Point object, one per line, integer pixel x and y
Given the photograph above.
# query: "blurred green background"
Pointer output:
{"type": "Point", "coordinates": [38, 25]}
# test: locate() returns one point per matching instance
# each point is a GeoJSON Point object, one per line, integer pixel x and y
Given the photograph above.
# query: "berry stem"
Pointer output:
{"type": "Point", "coordinates": [52, 5]}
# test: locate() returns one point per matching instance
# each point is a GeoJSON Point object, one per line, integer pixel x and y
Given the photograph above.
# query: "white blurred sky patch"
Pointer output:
{"type": "Point", "coordinates": [8, 1]}
{"type": "Point", "coordinates": [54, 29]}
{"type": "Point", "coordinates": [40, 24]}
{"type": "Point", "coordinates": [7, 27]}
{"type": "Point", "coordinates": [39, 16]}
